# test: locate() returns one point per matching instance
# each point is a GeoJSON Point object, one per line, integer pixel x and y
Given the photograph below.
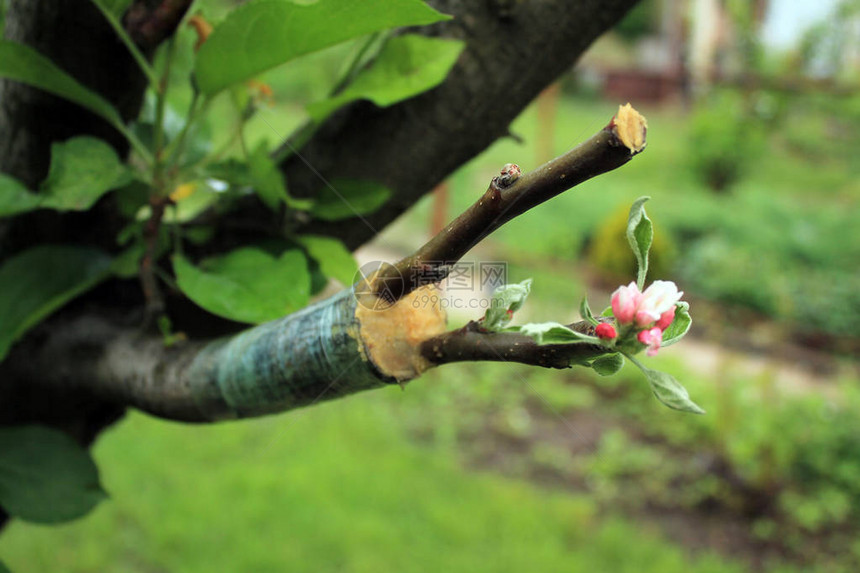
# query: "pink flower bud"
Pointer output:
{"type": "Point", "coordinates": [625, 300]}
{"type": "Point", "coordinates": [605, 331]}
{"type": "Point", "coordinates": [666, 319]}
{"type": "Point", "coordinates": [652, 339]}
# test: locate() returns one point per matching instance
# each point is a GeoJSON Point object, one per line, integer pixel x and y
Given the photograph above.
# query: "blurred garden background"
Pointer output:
{"type": "Point", "coordinates": [754, 127]}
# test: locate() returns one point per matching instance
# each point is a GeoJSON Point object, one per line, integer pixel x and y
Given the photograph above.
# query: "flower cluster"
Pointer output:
{"type": "Point", "coordinates": [646, 313]}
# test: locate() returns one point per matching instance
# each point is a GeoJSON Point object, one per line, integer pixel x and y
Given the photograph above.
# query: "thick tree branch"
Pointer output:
{"type": "Point", "coordinates": [513, 51]}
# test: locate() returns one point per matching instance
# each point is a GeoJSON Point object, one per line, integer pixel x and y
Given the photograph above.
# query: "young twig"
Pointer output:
{"type": "Point", "coordinates": [511, 194]}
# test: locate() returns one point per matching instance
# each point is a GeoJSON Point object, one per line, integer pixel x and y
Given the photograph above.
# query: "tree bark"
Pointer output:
{"type": "Point", "coordinates": [513, 51]}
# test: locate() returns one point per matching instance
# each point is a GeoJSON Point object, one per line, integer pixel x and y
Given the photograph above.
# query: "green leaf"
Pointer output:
{"type": "Point", "coordinates": [679, 327]}
{"type": "Point", "coordinates": [23, 64]}
{"type": "Point", "coordinates": [507, 299]}
{"type": "Point", "coordinates": [261, 35]}
{"type": "Point", "coordinates": [45, 476]}
{"type": "Point", "coordinates": [585, 312]}
{"type": "Point", "coordinates": [82, 170]}
{"type": "Point", "coordinates": [609, 364]}
{"type": "Point", "coordinates": [405, 67]}
{"type": "Point", "coordinates": [640, 234]}
{"type": "Point", "coordinates": [3, 568]}
{"type": "Point", "coordinates": [333, 258]}
{"type": "Point", "coordinates": [668, 390]}
{"type": "Point", "coordinates": [115, 7]}
{"type": "Point", "coordinates": [15, 198]}
{"type": "Point", "coordinates": [555, 333]}
{"type": "Point", "coordinates": [35, 283]}
{"type": "Point", "coordinates": [248, 284]}
{"type": "Point", "coordinates": [269, 183]}
{"type": "Point", "coordinates": [346, 198]}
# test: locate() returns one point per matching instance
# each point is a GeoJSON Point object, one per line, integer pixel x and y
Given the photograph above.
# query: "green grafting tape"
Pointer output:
{"type": "Point", "coordinates": [312, 355]}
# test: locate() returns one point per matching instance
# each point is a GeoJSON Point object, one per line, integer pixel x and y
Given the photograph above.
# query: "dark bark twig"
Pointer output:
{"type": "Point", "coordinates": [511, 195]}
{"type": "Point", "coordinates": [473, 344]}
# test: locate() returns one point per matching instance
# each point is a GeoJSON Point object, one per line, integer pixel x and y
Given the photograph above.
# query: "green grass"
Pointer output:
{"type": "Point", "coordinates": [338, 487]}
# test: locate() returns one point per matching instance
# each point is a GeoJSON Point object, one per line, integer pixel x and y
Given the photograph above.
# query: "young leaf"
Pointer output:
{"type": "Point", "coordinates": [347, 198]}
{"type": "Point", "coordinates": [585, 312]}
{"type": "Point", "coordinates": [15, 198]}
{"type": "Point", "coordinates": [23, 64]}
{"type": "Point", "coordinates": [555, 333]}
{"type": "Point", "coordinates": [261, 35]}
{"type": "Point", "coordinates": [405, 67]}
{"type": "Point", "coordinates": [507, 299]}
{"type": "Point", "coordinates": [247, 284]}
{"type": "Point", "coordinates": [668, 390]}
{"type": "Point", "coordinates": [640, 234]}
{"type": "Point", "coordinates": [35, 283]}
{"type": "Point", "coordinates": [334, 260]}
{"type": "Point", "coordinates": [82, 170]}
{"type": "Point", "coordinates": [609, 364]}
{"type": "Point", "coordinates": [679, 326]}
{"type": "Point", "coordinates": [45, 476]}
{"type": "Point", "coordinates": [269, 183]}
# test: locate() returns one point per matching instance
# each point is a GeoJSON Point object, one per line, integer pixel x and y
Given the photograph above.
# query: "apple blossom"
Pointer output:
{"type": "Point", "coordinates": [625, 301]}
{"type": "Point", "coordinates": [657, 299]}
{"type": "Point", "coordinates": [652, 339]}
{"type": "Point", "coordinates": [666, 319]}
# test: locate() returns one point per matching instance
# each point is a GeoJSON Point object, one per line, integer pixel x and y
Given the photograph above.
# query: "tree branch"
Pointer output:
{"type": "Point", "coordinates": [513, 51]}
{"type": "Point", "coordinates": [339, 346]}
{"type": "Point", "coordinates": [511, 195]}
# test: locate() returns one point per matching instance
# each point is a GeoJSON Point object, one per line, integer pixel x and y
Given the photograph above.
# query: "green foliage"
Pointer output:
{"type": "Point", "coordinates": [405, 67]}
{"type": "Point", "coordinates": [609, 364]}
{"type": "Point", "coordinates": [640, 235]}
{"type": "Point", "coordinates": [333, 258]}
{"type": "Point", "coordinates": [609, 252]}
{"type": "Point", "coordinates": [45, 476]}
{"type": "Point", "coordinates": [38, 281]}
{"type": "Point", "coordinates": [267, 33]}
{"type": "Point", "coordinates": [82, 170]}
{"type": "Point", "coordinates": [668, 390]}
{"type": "Point", "coordinates": [723, 143]}
{"type": "Point", "coordinates": [507, 299]}
{"type": "Point", "coordinates": [23, 64]}
{"type": "Point", "coordinates": [345, 198]}
{"type": "Point", "coordinates": [247, 284]}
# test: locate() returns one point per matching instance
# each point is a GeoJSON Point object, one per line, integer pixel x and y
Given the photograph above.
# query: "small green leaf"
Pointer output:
{"type": "Point", "coordinates": [679, 326]}
{"type": "Point", "coordinates": [668, 390]}
{"type": "Point", "coordinates": [507, 299]}
{"type": "Point", "coordinates": [609, 364]}
{"type": "Point", "coordinates": [555, 333]}
{"type": "Point", "coordinates": [585, 312]}
{"type": "Point", "coordinates": [405, 67]}
{"type": "Point", "coordinates": [15, 198]}
{"type": "Point", "coordinates": [261, 35]}
{"type": "Point", "coordinates": [347, 198]}
{"type": "Point", "coordinates": [333, 258]}
{"type": "Point", "coordinates": [82, 170]}
{"type": "Point", "coordinates": [3, 568]}
{"type": "Point", "coordinates": [45, 476]}
{"type": "Point", "coordinates": [248, 284]}
{"type": "Point", "coordinates": [640, 234]}
{"type": "Point", "coordinates": [269, 183]}
{"type": "Point", "coordinates": [23, 64]}
{"type": "Point", "coordinates": [38, 281]}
